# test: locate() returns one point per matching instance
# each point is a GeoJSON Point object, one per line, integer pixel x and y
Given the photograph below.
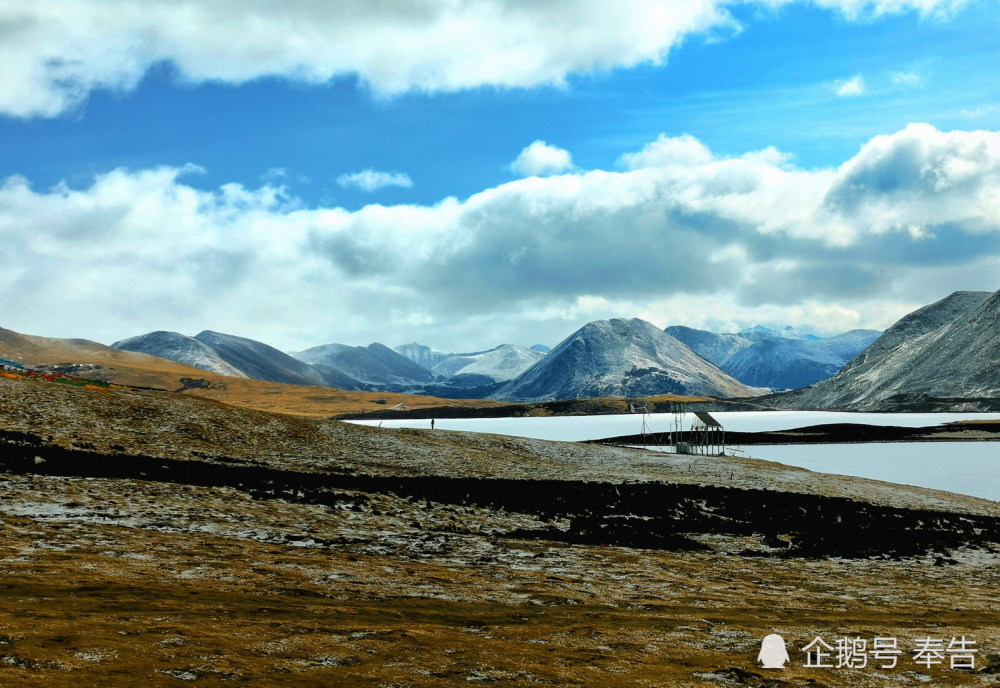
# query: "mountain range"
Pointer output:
{"type": "Point", "coordinates": [604, 358]}
{"type": "Point", "coordinates": [217, 352]}
{"type": "Point", "coordinates": [942, 356]}
{"type": "Point", "coordinates": [777, 359]}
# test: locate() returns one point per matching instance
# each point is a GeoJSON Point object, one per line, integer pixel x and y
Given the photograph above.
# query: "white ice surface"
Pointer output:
{"type": "Point", "coordinates": [577, 428]}
{"type": "Point", "coordinates": [971, 468]}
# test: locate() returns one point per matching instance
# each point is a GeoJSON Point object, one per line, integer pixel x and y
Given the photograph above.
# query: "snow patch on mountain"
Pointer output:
{"type": "Point", "coordinates": [181, 348]}
{"type": "Point", "coordinates": [422, 355]}
{"type": "Point", "coordinates": [501, 363]}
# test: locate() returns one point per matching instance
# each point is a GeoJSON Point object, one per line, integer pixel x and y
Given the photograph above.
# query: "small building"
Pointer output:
{"type": "Point", "coordinates": [707, 435]}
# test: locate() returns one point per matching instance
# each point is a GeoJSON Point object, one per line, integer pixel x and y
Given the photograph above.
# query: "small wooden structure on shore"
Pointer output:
{"type": "Point", "coordinates": [707, 435]}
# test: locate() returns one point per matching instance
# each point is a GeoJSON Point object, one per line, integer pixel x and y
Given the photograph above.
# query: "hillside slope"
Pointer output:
{"type": "Point", "coordinates": [181, 348]}
{"type": "Point", "coordinates": [943, 355]}
{"type": "Point", "coordinates": [263, 362]}
{"type": "Point", "coordinates": [153, 538]}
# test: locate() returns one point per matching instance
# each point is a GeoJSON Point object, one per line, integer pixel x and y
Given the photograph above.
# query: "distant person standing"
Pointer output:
{"type": "Point", "coordinates": [432, 423]}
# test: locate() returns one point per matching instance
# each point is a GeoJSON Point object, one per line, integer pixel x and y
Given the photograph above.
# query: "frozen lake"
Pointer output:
{"type": "Point", "coordinates": [971, 468]}
{"type": "Point", "coordinates": [578, 428]}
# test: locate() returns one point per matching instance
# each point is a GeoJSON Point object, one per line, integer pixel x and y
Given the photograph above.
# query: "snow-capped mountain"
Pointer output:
{"type": "Point", "coordinates": [501, 363]}
{"type": "Point", "coordinates": [421, 355]}
{"type": "Point", "coordinates": [781, 363]}
{"type": "Point", "coordinates": [778, 359]}
{"type": "Point", "coordinates": [715, 348]}
{"type": "Point", "coordinates": [181, 348]}
{"type": "Point", "coordinates": [375, 364]}
{"type": "Point", "coordinates": [942, 355]}
{"type": "Point", "coordinates": [787, 332]}
{"type": "Point", "coordinates": [620, 358]}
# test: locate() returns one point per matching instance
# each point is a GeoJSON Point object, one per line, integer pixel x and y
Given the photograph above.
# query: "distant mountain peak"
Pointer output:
{"type": "Point", "coordinates": [786, 332]}
{"type": "Point", "coordinates": [783, 358]}
{"type": "Point", "coordinates": [621, 358]}
{"type": "Point", "coordinates": [375, 364]}
{"type": "Point", "coordinates": [501, 363]}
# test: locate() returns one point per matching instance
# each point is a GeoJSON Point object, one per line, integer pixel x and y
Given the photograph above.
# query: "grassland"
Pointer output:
{"type": "Point", "coordinates": [162, 539]}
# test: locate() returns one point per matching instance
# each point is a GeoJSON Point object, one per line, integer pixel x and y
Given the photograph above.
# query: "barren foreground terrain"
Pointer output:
{"type": "Point", "coordinates": [155, 539]}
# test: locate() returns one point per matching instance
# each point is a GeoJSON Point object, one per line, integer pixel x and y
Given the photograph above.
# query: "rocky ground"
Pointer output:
{"type": "Point", "coordinates": [156, 539]}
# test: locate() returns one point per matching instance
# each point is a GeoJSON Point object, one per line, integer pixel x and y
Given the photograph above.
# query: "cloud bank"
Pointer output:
{"type": "Point", "coordinates": [52, 62]}
{"type": "Point", "coordinates": [678, 234]}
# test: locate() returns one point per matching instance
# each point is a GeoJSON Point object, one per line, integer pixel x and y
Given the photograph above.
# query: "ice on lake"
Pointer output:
{"type": "Point", "coordinates": [971, 468]}
{"type": "Point", "coordinates": [579, 428]}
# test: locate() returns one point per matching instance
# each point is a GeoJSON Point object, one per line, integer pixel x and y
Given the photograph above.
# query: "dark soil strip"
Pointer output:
{"type": "Point", "coordinates": [649, 515]}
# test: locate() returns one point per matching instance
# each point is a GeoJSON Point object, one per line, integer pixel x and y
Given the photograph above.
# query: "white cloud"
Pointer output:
{"type": "Point", "coordinates": [373, 180]}
{"type": "Point", "coordinates": [684, 150]}
{"type": "Point", "coordinates": [907, 78]}
{"type": "Point", "coordinates": [914, 215]}
{"type": "Point", "coordinates": [56, 52]}
{"type": "Point", "coordinates": [923, 182]}
{"type": "Point", "coordinates": [855, 86]}
{"type": "Point", "coordinates": [874, 8]}
{"type": "Point", "coordinates": [539, 159]}
{"type": "Point", "coordinates": [867, 9]}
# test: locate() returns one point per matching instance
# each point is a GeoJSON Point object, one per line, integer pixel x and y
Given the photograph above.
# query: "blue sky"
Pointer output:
{"type": "Point", "coordinates": [165, 173]}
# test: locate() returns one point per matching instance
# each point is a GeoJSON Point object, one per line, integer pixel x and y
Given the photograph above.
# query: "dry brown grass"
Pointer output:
{"type": "Point", "coordinates": [128, 582]}
{"type": "Point", "coordinates": [85, 604]}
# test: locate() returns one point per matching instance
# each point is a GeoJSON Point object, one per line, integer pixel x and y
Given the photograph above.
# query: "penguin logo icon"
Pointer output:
{"type": "Point", "coordinates": [773, 654]}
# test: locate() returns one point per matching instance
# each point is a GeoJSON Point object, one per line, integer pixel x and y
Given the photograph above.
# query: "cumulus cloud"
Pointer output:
{"type": "Point", "coordinates": [539, 159]}
{"type": "Point", "coordinates": [684, 150]}
{"type": "Point", "coordinates": [57, 52]}
{"type": "Point", "coordinates": [373, 180]}
{"type": "Point", "coordinates": [526, 261]}
{"type": "Point", "coordinates": [53, 58]}
{"type": "Point", "coordinates": [920, 181]}
{"type": "Point", "coordinates": [855, 86]}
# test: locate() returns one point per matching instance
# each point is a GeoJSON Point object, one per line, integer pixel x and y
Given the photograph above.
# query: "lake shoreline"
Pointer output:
{"type": "Point", "coordinates": [832, 433]}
